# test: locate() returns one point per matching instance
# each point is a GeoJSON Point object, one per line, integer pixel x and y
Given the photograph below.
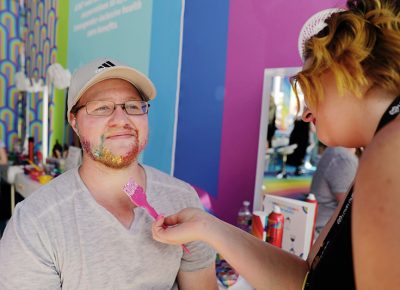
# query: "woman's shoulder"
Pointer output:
{"type": "Point", "coordinates": [383, 151]}
{"type": "Point", "coordinates": [379, 165]}
{"type": "Point", "coordinates": [375, 214]}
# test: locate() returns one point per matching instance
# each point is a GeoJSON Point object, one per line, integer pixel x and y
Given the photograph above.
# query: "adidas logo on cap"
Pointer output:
{"type": "Point", "coordinates": [104, 65]}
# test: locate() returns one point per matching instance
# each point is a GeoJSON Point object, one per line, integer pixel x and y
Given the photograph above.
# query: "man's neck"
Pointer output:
{"type": "Point", "coordinates": [105, 182]}
{"type": "Point", "coordinates": [105, 185]}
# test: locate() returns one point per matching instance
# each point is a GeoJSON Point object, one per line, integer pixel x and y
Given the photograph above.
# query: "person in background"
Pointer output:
{"type": "Point", "coordinates": [271, 121]}
{"type": "Point", "coordinates": [300, 135]}
{"type": "Point", "coordinates": [81, 231]}
{"type": "Point", "coordinates": [331, 180]}
{"type": "Point", "coordinates": [3, 154]}
{"type": "Point", "coordinates": [351, 85]}
{"type": "Point", "coordinates": [57, 150]}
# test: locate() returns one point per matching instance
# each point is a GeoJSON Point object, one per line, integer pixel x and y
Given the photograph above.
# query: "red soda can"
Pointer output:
{"type": "Point", "coordinates": [275, 227]}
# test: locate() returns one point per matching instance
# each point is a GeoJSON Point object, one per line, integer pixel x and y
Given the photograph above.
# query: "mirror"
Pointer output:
{"type": "Point", "coordinates": [278, 116]}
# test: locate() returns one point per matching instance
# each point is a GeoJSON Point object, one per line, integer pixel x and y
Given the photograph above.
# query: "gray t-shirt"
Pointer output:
{"type": "Point", "coordinates": [61, 238]}
{"type": "Point", "coordinates": [335, 173]}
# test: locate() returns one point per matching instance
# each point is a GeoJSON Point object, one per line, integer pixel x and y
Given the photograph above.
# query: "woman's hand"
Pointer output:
{"type": "Point", "coordinates": [185, 226]}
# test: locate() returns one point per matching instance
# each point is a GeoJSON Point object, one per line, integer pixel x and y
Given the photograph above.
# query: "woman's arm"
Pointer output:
{"type": "Point", "coordinates": [264, 266]}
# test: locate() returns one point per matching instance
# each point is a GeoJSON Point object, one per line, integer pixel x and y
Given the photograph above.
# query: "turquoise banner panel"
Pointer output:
{"type": "Point", "coordinates": [164, 72]}
{"type": "Point", "coordinates": [119, 29]}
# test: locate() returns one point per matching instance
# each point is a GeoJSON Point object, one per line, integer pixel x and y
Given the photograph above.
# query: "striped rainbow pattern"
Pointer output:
{"type": "Point", "coordinates": [10, 38]}
{"type": "Point", "coordinates": [39, 34]}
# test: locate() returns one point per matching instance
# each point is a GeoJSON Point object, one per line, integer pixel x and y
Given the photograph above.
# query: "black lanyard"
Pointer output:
{"type": "Point", "coordinates": [389, 115]}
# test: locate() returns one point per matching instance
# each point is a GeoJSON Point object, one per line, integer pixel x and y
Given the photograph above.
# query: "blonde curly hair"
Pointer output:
{"type": "Point", "coordinates": [360, 46]}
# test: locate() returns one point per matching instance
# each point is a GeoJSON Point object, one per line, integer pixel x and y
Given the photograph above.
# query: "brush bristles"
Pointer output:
{"type": "Point", "coordinates": [130, 188]}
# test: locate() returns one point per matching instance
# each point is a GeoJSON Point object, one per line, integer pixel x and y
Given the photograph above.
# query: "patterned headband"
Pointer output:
{"type": "Point", "coordinates": [313, 26]}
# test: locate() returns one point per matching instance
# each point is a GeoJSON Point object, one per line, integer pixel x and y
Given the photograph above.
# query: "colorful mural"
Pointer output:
{"type": "Point", "coordinates": [41, 51]}
{"type": "Point", "coordinates": [30, 31]}
{"type": "Point", "coordinates": [206, 59]}
{"type": "Point", "coordinates": [11, 42]}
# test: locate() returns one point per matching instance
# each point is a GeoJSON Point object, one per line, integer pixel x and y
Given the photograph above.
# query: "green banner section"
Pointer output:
{"type": "Point", "coordinates": [60, 95]}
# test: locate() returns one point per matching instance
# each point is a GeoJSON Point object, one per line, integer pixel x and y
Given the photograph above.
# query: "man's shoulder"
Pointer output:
{"type": "Point", "coordinates": [341, 154]}
{"type": "Point", "coordinates": [156, 176]}
{"type": "Point", "coordinates": [49, 195]}
{"type": "Point", "coordinates": [168, 193]}
{"type": "Point", "coordinates": [337, 151]}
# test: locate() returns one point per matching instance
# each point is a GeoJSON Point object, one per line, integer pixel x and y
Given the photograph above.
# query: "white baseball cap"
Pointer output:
{"type": "Point", "coordinates": [103, 69]}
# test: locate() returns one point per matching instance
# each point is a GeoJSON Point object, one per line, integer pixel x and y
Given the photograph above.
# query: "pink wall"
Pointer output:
{"type": "Point", "coordinates": [262, 34]}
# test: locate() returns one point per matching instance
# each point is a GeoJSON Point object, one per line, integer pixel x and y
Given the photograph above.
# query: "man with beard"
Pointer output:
{"type": "Point", "coordinates": [81, 231]}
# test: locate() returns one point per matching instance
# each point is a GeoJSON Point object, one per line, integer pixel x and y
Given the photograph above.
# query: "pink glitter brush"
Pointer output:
{"type": "Point", "coordinates": [138, 197]}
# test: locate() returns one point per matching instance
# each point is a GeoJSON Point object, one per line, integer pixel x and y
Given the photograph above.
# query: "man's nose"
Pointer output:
{"type": "Point", "coordinates": [119, 114]}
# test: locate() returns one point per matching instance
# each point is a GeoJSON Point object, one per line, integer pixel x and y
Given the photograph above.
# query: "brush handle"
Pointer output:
{"type": "Point", "coordinates": [151, 211]}
{"type": "Point", "coordinates": [154, 214]}
{"type": "Point", "coordinates": [185, 249]}
{"type": "Point", "coordinates": [138, 197]}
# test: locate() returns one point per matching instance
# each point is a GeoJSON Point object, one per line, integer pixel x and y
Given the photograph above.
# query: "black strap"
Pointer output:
{"type": "Point", "coordinates": [391, 113]}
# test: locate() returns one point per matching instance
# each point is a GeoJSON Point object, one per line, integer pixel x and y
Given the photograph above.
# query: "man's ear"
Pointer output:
{"type": "Point", "coordinates": [74, 124]}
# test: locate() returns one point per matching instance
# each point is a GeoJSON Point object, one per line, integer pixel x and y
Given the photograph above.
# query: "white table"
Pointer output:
{"type": "Point", "coordinates": [19, 182]}
{"type": "Point", "coordinates": [25, 185]}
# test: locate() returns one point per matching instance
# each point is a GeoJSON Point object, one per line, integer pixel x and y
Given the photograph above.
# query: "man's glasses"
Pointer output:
{"type": "Point", "coordinates": [106, 108]}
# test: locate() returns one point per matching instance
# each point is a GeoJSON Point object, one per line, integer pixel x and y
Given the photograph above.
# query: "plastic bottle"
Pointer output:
{"type": "Point", "coordinates": [244, 217]}
{"type": "Point", "coordinates": [275, 227]}
{"type": "Point", "coordinates": [311, 199]}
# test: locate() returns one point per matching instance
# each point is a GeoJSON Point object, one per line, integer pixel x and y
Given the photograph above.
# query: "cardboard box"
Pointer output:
{"type": "Point", "coordinates": [298, 224]}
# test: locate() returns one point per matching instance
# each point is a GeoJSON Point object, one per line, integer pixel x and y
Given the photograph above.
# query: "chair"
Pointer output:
{"type": "Point", "coordinates": [285, 151]}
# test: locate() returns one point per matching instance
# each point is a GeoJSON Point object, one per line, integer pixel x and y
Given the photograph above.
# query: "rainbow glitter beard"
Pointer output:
{"type": "Point", "coordinates": [106, 157]}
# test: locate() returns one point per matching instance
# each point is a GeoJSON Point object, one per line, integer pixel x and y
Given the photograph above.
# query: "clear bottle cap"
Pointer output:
{"type": "Point", "coordinates": [311, 196]}
{"type": "Point", "coordinates": [276, 209]}
{"type": "Point", "coordinates": [246, 203]}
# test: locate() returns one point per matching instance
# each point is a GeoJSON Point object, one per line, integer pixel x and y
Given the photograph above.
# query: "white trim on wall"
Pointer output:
{"type": "Point", "coordinates": [178, 83]}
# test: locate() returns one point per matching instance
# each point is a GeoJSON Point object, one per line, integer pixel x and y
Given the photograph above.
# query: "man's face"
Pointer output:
{"type": "Point", "coordinates": [114, 140]}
